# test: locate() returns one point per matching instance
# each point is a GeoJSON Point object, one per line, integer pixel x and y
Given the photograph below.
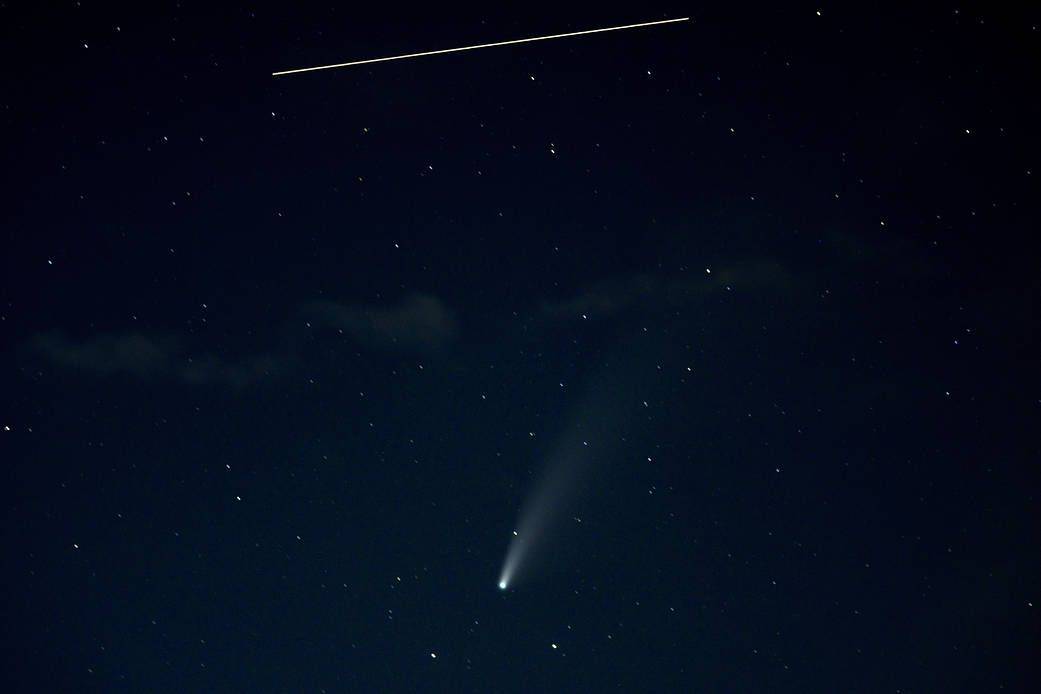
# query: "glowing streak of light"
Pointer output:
{"type": "Point", "coordinates": [507, 569]}
{"type": "Point", "coordinates": [481, 45]}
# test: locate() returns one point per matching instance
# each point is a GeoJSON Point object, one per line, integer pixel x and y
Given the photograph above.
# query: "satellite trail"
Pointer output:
{"type": "Point", "coordinates": [482, 45]}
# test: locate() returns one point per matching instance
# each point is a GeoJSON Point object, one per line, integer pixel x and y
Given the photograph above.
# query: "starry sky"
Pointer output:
{"type": "Point", "coordinates": [285, 359]}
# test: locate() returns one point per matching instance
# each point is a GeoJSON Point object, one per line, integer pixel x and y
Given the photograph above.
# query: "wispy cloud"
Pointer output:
{"type": "Point", "coordinates": [415, 323]}
{"type": "Point", "coordinates": [658, 293]}
{"type": "Point", "coordinates": [151, 357]}
{"type": "Point", "coordinates": [418, 322]}
{"type": "Point", "coordinates": [122, 353]}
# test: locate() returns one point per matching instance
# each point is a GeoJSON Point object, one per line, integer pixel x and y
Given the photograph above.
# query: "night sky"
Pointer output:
{"type": "Point", "coordinates": [745, 310]}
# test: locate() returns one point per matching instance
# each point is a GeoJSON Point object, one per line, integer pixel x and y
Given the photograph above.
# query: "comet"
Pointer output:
{"type": "Point", "coordinates": [595, 437]}
{"type": "Point", "coordinates": [545, 507]}
{"type": "Point", "coordinates": [480, 45]}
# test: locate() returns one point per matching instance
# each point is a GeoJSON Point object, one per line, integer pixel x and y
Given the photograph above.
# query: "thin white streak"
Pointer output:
{"type": "Point", "coordinates": [482, 45]}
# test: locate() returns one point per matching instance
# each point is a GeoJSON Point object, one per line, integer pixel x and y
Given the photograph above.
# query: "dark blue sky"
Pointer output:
{"type": "Point", "coordinates": [284, 358]}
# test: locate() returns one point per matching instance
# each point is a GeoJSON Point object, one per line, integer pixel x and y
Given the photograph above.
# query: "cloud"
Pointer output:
{"type": "Point", "coordinates": [606, 298]}
{"type": "Point", "coordinates": [899, 255]}
{"type": "Point", "coordinates": [150, 357]}
{"type": "Point", "coordinates": [128, 353]}
{"type": "Point", "coordinates": [211, 369]}
{"type": "Point", "coordinates": [658, 293]}
{"type": "Point", "coordinates": [417, 322]}
{"type": "Point", "coordinates": [756, 274]}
